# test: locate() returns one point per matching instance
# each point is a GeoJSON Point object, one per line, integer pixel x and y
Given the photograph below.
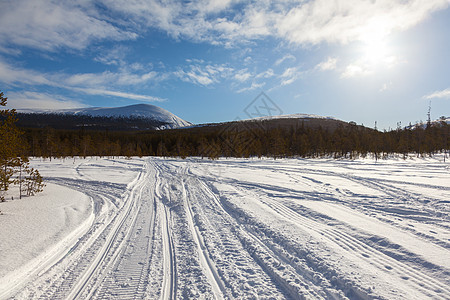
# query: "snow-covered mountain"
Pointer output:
{"type": "Point", "coordinates": [445, 120]}
{"type": "Point", "coordinates": [146, 111]}
{"type": "Point", "coordinates": [291, 116]}
{"type": "Point", "coordinates": [280, 121]}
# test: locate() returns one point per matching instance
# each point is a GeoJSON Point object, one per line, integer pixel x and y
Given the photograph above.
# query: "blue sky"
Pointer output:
{"type": "Point", "coordinates": [205, 61]}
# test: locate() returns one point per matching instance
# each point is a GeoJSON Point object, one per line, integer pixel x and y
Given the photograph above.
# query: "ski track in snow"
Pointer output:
{"type": "Point", "coordinates": [236, 228]}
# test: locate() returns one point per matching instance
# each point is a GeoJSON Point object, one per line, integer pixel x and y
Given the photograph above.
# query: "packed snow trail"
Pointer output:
{"type": "Point", "coordinates": [237, 228]}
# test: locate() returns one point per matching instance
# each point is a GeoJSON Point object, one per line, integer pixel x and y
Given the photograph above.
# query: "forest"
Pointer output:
{"type": "Point", "coordinates": [242, 139]}
{"type": "Point", "coordinates": [60, 136]}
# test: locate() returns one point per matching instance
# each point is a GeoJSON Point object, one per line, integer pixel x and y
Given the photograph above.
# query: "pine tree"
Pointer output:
{"type": "Point", "coordinates": [33, 183]}
{"type": "Point", "coordinates": [9, 144]}
{"type": "Point", "coordinates": [12, 158]}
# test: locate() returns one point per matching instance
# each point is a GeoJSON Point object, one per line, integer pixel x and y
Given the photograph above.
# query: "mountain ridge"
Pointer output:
{"type": "Point", "coordinates": [145, 111]}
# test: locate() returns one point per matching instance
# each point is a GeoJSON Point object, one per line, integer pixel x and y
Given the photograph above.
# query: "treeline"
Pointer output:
{"type": "Point", "coordinates": [73, 122]}
{"type": "Point", "coordinates": [238, 139]}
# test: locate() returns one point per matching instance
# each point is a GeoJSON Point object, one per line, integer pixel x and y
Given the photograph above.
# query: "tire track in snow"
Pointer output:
{"type": "Point", "coordinates": [353, 244]}
{"type": "Point", "coordinates": [230, 248]}
{"type": "Point", "coordinates": [384, 262]}
{"type": "Point", "coordinates": [235, 242]}
{"type": "Point", "coordinates": [420, 281]}
{"type": "Point", "coordinates": [169, 282]}
{"type": "Point", "coordinates": [107, 249]}
{"type": "Point", "coordinates": [289, 278]}
{"type": "Point", "coordinates": [208, 265]}
{"type": "Point", "coordinates": [169, 279]}
{"type": "Point", "coordinates": [127, 277]}
{"type": "Point", "coordinates": [398, 202]}
{"type": "Point", "coordinates": [379, 184]}
{"type": "Point", "coordinates": [60, 278]}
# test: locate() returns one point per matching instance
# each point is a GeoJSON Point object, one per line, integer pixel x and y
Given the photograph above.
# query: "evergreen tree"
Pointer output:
{"type": "Point", "coordinates": [12, 149]}
{"type": "Point", "coordinates": [9, 144]}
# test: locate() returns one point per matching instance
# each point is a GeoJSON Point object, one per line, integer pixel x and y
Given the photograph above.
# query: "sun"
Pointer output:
{"type": "Point", "coordinates": [375, 51]}
{"type": "Point", "coordinates": [375, 48]}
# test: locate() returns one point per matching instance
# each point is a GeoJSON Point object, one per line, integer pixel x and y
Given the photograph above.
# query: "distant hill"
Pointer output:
{"type": "Point", "coordinates": [132, 117]}
{"type": "Point", "coordinates": [294, 121]}
{"type": "Point", "coordinates": [438, 122]}
{"type": "Point", "coordinates": [291, 116]}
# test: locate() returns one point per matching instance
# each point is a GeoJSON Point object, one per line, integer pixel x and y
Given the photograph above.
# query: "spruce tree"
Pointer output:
{"type": "Point", "coordinates": [12, 154]}
{"type": "Point", "coordinates": [9, 144]}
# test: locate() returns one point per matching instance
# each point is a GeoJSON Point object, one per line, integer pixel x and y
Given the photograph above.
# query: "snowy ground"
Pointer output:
{"type": "Point", "coordinates": [171, 228]}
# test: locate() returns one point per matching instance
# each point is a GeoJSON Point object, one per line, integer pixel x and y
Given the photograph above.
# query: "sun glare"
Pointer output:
{"type": "Point", "coordinates": [375, 49]}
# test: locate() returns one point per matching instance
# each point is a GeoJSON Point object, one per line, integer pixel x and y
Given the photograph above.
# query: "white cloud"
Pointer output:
{"type": "Point", "coordinates": [290, 75]}
{"type": "Point", "coordinates": [386, 86]}
{"type": "Point", "coordinates": [89, 83]}
{"type": "Point", "coordinates": [109, 78]}
{"type": "Point", "coordinates": [253, 86]}
{"type": "Point", "coordinates": [444, 94]}
{"type": "Point", "coordinates": [205, 75]}
{"type": "Point", "coordinates": [329, 64]}
{"type": "Point", "coordinates": [103, 92]}
{"type": "Point", "coordinates": [242, 75]}
{"type": "Point", "coordinates": [389, 61]}
{"type": "Point", "coordinates": [344, 21]}
{"type": "Point", "coordinates": [266, 74]}
{"type": "Point", "coordinates": [284, 58]}
{"type": "Point", "coordinates": [114, 56]}
{"type": "Point", "coordinates": [248, 60]}
{"type": "Point", "coordinates": [366, 66]}
{"type": "Point", "coordinates": [34, 100]}
{"type": "Point", "coordinates": [50, 25]}
{"type": "Point", "coordinates": [356, 69]}
{"type": "Point", "coordinates": [299, 22]}
{"type": "Point", "coordinates": [12, 75]}
{"type": "Point", "coordinates": [196, 78]}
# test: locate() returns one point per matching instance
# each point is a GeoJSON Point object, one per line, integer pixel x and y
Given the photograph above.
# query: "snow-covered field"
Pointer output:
{"type": "Point", "coordinates": [233, 228]}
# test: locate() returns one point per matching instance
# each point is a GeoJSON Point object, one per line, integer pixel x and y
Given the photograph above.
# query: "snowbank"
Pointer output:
{"type": "Point", "coordinates": [32, 227]}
